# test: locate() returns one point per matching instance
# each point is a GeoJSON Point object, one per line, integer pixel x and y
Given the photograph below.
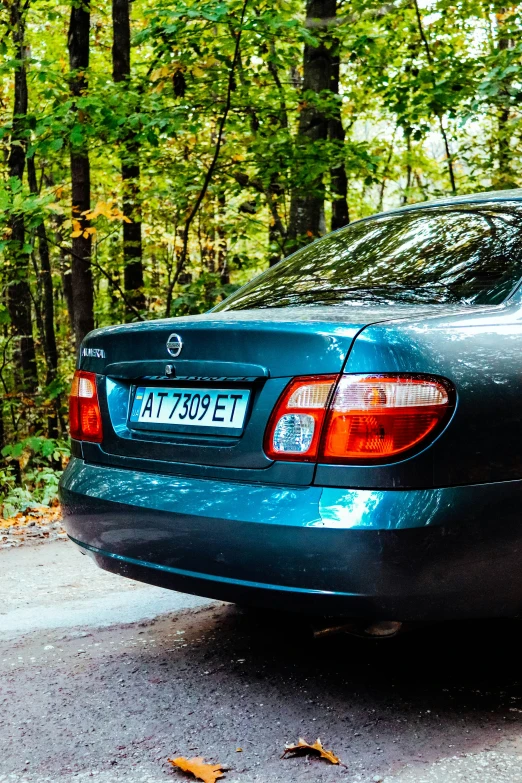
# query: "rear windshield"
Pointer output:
{"type": "Point", "coordinates": [469, 253]}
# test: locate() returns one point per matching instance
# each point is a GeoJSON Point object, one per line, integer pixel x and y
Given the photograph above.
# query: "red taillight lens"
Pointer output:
{"type": "Point", "coordinates": [356, 418]}
{"type": "Point", "coordinates": [84, 409]}
{"type": "Point", "coordinates": [295, 426]}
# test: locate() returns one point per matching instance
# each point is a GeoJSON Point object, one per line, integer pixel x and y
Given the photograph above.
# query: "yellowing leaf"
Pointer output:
{"type": "Point", "coordinates": [106, 209]}
{"type": "Point", "coordinates": [303, 747]}
{"type": "Point", "coordinates": [55, 207]}
{"type": "Point", "coordinates": [160, 73]}
{"type": "Point", "coordinates": [208, 773]}
{"type": "Point", "coordinates": [77, 228]}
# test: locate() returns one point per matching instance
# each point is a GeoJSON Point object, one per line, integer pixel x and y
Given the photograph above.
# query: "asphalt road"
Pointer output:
{"type": "Point", "coordinates": [103, 679]}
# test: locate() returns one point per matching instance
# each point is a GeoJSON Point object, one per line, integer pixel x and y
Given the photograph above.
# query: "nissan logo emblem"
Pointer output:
{"type": "Point", "coordinates": [174, 345]}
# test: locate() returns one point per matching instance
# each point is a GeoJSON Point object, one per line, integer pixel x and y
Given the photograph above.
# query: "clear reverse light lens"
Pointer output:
{"type": "Point", "coordinates": [86, 388]}
{"type": "Point", "coordinates": [293, 433]}
{"type": "Point", "coordinates": [312, 396]}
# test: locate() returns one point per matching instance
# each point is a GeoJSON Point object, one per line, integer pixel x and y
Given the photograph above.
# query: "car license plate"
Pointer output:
{"type": "Point", "coordinates": [224, 408]}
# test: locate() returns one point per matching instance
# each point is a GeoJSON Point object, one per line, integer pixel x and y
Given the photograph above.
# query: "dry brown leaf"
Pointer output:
{"type": "Point", "coordinates": [303, 747]}
{"type": "Point", "coordinates": [208, 773]}
{"type": "Point", "coordinates": [33, 516]}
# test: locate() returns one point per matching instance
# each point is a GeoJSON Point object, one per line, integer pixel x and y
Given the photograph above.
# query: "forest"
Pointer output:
{"type": "Point", "coordinates": [156, 155]}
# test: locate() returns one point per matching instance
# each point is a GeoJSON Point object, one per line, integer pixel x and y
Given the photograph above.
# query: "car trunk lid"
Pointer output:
{"type": "Point", "coordinates": [254, 353]}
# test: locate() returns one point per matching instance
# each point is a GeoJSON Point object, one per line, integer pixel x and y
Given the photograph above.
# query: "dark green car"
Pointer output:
{"type": "Point", "coordinates": [342, 436]}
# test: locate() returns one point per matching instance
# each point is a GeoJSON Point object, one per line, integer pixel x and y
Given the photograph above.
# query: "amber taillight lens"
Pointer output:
{"type": "Point", "coordinates": [84, 409]}
{"type": "Point", "coordinates": [373, 417]}
{"type": "Point", "coordinates": [357, 418]}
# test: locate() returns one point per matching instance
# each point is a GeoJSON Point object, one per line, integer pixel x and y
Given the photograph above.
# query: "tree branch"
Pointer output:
{"type": "Point", "coordinates": [107, 275]}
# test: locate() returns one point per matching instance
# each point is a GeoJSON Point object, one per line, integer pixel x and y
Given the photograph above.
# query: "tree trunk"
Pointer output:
{"type": "Point", "coordinates": [46, 288]}
{"type": "Point", "coordinates": [130, 166]}
{"type": "Point", "coordinates": [277, 232]}
{"type": "Point", "coordinates": [409, 170]}
{"type": "Point", "coordinates": [19, 294]}
{"type": "Point", "coordinates": [81, 272]}
{"type": "Point", "coordinates": [307, 203]}
{"type": "Point", "coordinates": [338, 179]}
{"type": "Point", "coordinates": [429, 57]}
{"type": "Point", "coordinates": [65, 268]}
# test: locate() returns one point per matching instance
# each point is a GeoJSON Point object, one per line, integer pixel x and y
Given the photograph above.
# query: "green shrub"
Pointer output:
{"type": "Point", "coordinates": [32, 472]}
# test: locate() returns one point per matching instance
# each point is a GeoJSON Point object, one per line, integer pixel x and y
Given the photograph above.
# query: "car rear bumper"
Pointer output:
{"type": "Point", "coordinates": [387, 554]}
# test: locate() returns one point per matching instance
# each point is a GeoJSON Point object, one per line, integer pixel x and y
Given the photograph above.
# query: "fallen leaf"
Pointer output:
{"type": "Point", "coordinates": [208, 773]}
{"type": "Point", "coordinates": [303, 747]}
{"type": "Point", "coordinates": [34, 524]}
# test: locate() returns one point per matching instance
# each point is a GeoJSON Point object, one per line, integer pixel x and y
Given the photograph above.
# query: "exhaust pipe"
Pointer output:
{"type": "Point", "coordinates": [383, 629]}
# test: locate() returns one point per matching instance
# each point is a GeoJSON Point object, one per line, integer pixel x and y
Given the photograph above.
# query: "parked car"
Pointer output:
{"type": "Point", "coordinates": [342, 435]}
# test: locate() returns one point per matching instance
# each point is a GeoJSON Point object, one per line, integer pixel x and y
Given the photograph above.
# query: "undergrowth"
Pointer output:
{"type": "Point", "coordinates": [31, 473]}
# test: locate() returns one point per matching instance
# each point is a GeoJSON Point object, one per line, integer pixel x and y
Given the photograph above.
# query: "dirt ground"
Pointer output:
{"type": "Point", "coordinates": [104, 679]}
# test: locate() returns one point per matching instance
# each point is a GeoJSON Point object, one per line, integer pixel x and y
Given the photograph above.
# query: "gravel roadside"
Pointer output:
{"type": "Point", "coordinates": [36, 525]}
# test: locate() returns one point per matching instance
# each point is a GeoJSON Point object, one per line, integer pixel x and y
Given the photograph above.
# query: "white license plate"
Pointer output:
{"type": "Point", "coordinates": [190, 407]}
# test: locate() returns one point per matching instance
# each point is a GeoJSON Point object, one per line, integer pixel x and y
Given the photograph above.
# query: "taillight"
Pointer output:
{"type": "Point", "coordinates": [373, 417]}
{"type": "Point", "coordinates": [84, 409]}
{"type": "Point", "coordinates": [295, 426]}
{"type": "Point", "coordinates": [357, 418]}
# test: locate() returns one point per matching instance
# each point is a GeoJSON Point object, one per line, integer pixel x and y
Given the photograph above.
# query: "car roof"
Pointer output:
{"type": "Point", "coordinates": [491, 196]}
{"type": "Point", "coordinates": [447, 201]}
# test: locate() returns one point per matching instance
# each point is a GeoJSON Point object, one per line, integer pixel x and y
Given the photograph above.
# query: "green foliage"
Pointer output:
{"type": "Point", "coordinates": [203, 293]}
{"type": "Point", "coordinates": [413, 80]}
{"type": "Point", "coordinates": [36, 450]}
{"type": "Point", "coordinates": [30, 476]}
{"type": "Point", "coordinates": [39, 488]}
